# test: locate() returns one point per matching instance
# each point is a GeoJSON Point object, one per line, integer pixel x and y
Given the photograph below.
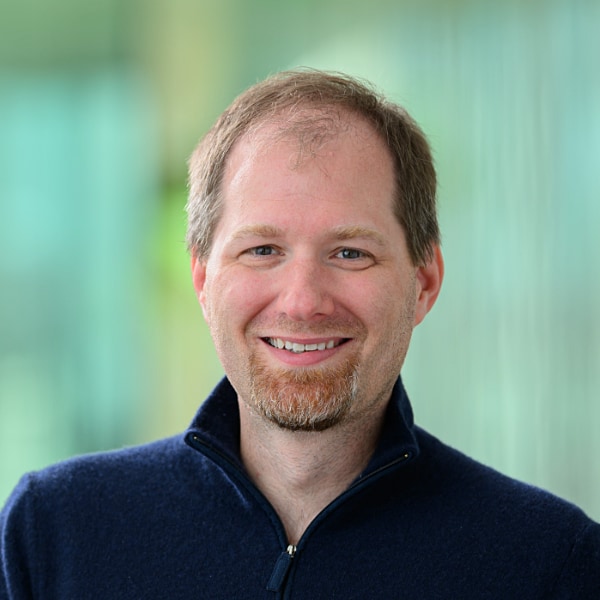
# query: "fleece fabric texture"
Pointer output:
{"type": "Point", "coordinates": [176, 520]}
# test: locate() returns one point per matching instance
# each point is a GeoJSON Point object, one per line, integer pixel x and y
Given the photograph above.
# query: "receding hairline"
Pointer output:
{"type": "Point", "coordinates": [316, 91]}
{"type": "Point", "coordinates": [308, 144]}
{"type": "Point", "coordinates": [308, 123]}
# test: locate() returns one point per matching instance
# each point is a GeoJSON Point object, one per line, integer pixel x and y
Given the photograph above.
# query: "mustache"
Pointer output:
{"type": "Point", "coordinates": [282, 325]}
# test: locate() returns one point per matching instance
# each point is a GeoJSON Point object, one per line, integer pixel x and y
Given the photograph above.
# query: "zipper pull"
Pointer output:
{"type": "Point", "coordinates": [281, 569]}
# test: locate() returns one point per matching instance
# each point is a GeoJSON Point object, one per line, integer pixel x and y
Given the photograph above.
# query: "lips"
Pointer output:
{"type": "Point", "coordinates": [299, 348]}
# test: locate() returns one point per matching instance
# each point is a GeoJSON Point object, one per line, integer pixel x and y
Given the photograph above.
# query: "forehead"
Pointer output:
{"type": "Point", "coordinates": [327, 173]}
{"type": "Point", "coordinates": [307, 134]}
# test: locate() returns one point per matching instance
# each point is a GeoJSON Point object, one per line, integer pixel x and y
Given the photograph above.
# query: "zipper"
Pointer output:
{"type": "Point", "coordinates": [282, 567]}
{"type": "Point", "coordinates": [284, 561]}
{"type": "Point", "coordinates": [277, 582]}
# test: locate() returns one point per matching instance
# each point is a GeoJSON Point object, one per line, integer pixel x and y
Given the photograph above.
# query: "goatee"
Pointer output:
{"type": "Point", "coordinates": [303, 399]}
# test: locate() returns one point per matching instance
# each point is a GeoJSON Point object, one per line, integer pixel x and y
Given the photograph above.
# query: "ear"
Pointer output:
{"type": "Point", "coordinates": [429, 282]}
{"type": "Point", "coordinates": [199, 278]}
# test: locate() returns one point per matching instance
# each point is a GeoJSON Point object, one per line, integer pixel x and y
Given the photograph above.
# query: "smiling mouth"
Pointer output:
{"type": "Point", "coordinates": [299, 348]}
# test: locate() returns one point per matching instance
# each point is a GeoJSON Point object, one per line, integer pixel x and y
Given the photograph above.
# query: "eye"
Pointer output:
{"type": "Point", "coordinates": [351, 254]}
{"type": "Point", "coordinates": [263, 256]}
{"type": "Point", "coordinates": [261, 251]}
{"type": "Point", "coordinates": [353, 259]}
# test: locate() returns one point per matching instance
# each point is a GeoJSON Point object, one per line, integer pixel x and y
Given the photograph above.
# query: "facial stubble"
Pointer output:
{"type": "Point", "coordinates": [309, 399]}
{"type": "Point", "coordinates": [318, 398]}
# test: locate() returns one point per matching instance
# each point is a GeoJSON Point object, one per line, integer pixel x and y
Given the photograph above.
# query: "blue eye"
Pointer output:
{"type": "Point", "coordinates": [350, 253]}
{"type": "Point", "coordinates": [262, 251]}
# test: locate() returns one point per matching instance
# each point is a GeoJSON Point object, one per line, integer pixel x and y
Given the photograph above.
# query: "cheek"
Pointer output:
{"type": "Point", "coordinates": [232, 299]}
{"type": "Point", "coordinates": [393, 308]}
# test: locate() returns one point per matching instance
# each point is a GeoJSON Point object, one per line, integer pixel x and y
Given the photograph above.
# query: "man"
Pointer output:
{"type": "Point", "coordinates": [315, 251]}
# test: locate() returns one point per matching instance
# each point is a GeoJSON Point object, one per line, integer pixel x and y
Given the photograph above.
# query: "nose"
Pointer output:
{"type": "Point", "coordinates": [305, 291]}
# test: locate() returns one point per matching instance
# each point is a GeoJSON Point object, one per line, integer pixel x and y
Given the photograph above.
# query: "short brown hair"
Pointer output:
{"type": "Point", "coordinates": [415, 202]}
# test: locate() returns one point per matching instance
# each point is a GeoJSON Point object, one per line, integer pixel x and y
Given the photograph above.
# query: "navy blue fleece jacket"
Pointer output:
{"type": "Point", "coordinates": [179, 518]}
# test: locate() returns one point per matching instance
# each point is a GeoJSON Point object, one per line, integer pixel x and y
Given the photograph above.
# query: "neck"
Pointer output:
{"type": "Point", "coordinates": [299, 472]}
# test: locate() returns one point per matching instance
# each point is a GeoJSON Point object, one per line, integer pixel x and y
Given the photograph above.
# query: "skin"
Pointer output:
{"type": "Point", "coordinates": [308, 251]}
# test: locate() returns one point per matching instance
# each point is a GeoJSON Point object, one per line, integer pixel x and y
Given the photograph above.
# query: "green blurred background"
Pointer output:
{"type": "Point", "coordinates": [101, 102]}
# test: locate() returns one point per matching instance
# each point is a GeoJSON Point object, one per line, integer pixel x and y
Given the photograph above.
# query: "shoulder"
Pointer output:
{"type": "Point", "coordinates": [114, 463]}
{"type": "Point", "coordinates": [70, 523]}
{"type": "Point", "coordinates": [466, 481]}
{"type": "Point", "coordinates": [93, 479]}
{"type": "Point", "coordinates": [502, 510]}
{"type": "Point", "coordinates": [498, 524]}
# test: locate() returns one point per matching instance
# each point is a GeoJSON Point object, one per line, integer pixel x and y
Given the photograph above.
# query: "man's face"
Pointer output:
{"type": "Point", "coordinates": [309, 291]}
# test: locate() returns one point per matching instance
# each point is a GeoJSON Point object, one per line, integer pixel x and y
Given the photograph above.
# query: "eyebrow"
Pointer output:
{"type": "Point", "coordinates": [351, 232]}
{"type": "Point", "coordinates": [259, 230]}
{"type": "Point", "coordinates": [341, 233]}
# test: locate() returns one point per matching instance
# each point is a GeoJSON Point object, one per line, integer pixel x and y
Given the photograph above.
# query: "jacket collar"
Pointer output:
{"type": "Point", "coordinates": [217, 425]}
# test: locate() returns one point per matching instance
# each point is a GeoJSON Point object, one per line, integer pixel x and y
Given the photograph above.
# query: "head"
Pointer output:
{"type": "Point", "coordinates": [304, 102]}
{"type": "Point", "coordinates": [314, 247]}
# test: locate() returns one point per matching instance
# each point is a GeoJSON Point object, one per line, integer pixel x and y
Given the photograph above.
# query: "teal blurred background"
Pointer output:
{"type": "Point", "coordinates": [101, 102]}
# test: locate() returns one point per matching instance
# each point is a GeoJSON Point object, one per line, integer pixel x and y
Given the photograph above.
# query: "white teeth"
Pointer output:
{"type": "Point", "coordinates": [298, 348]}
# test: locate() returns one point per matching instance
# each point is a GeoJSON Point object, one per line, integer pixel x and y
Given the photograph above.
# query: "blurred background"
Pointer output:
{"type": "Point", "coordinates": [101, 102]}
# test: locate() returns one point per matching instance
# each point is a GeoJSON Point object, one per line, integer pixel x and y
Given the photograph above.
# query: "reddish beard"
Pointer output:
{"type": "Point", "coordinates": [303, 399]}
